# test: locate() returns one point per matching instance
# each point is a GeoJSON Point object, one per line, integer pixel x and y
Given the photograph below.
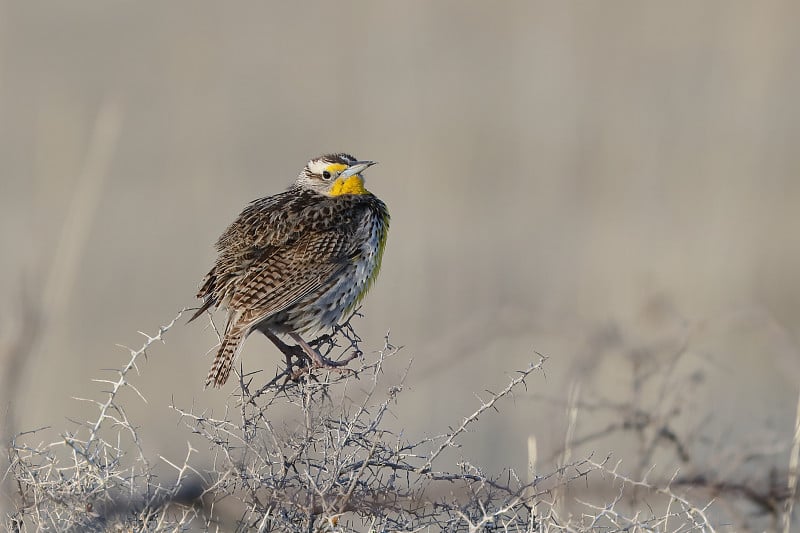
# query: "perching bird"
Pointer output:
{"type": "Point", "coordinates": [297, 261]}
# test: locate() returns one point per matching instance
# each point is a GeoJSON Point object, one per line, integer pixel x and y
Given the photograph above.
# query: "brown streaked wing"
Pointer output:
{"type": "Point", "coordinates": [289, 274]}
{"type": "Point", "coordinates": [258, 223]}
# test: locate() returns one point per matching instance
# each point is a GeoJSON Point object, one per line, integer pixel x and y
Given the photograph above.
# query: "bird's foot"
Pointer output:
{"type": "Point", "coordinates": [295, 357]}
{"type": "Point", "coordinates": [301, 358]}
{"type": "Point", "coordinates": [320, 361]}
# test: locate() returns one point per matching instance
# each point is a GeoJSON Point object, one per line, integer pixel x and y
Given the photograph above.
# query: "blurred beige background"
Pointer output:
{"type": "Point", "coordinates": [585, 180]}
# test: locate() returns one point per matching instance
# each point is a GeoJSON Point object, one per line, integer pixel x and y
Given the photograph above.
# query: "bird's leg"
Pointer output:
{"type": "Point", "coordinates": [319, 360]}
{"type": "Point", "coordinates": [287, 351]}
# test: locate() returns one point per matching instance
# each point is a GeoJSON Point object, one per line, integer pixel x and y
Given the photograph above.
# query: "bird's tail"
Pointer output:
{"type": "Point", "coordinates": [207, 293]}
{"type": "Point", "coordinates": [221, 368]}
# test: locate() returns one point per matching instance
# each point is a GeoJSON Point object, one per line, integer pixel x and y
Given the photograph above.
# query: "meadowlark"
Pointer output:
{"type": "Point", "coordinates": [297, 261]}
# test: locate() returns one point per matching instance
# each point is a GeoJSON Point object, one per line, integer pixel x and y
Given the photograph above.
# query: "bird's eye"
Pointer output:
{"type": "Point", "coordinates": [326, 175]}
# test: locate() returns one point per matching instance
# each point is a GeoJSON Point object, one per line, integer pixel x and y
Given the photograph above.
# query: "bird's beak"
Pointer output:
{"type": "Point", "coordinates": [356, 168]}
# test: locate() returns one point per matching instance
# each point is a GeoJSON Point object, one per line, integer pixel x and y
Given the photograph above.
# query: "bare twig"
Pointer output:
{"type": "Point", "coordinates": [794, 460]}
{"type": "Point", "coordinates": [451, 437]}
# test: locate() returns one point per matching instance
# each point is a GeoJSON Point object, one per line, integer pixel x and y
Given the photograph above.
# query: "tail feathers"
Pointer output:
{"type": "Point", "coordinates": [210, 302]}
{"type": "Point", "coordinates": [223, 363]}
{"type": "Point", "coordinates": [207, 290]}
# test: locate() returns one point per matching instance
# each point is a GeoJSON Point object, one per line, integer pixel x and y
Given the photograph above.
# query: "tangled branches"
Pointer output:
{"type": "Point", "coordinates": [320, 450]}
{"type": "Point", "coordinates": [334, 461]}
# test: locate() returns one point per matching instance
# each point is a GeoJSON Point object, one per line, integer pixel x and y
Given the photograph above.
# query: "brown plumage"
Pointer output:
{"type": "Point", "coordinates": [297, 261]}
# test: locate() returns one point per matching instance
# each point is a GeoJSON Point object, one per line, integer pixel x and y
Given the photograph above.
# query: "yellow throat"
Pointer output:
{"type": "Point", "coordinates": [349, 185]}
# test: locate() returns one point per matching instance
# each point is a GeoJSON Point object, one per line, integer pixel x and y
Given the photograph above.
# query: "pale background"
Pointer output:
{"type": "Point", "coordinates": [585, 180]}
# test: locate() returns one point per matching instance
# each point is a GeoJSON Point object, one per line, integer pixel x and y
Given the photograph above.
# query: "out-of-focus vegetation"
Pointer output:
{"type": "Point", "coordinates": [607, 184]}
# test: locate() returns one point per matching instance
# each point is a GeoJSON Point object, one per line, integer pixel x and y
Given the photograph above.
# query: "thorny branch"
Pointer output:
{"type": "Point", "coordinates": [484, 406]}
{"type": "Point", "coordinates": [335, 459]}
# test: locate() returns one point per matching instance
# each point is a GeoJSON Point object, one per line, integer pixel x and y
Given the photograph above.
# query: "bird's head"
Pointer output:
{"type": "Point", "coordinates": [334, 175]}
